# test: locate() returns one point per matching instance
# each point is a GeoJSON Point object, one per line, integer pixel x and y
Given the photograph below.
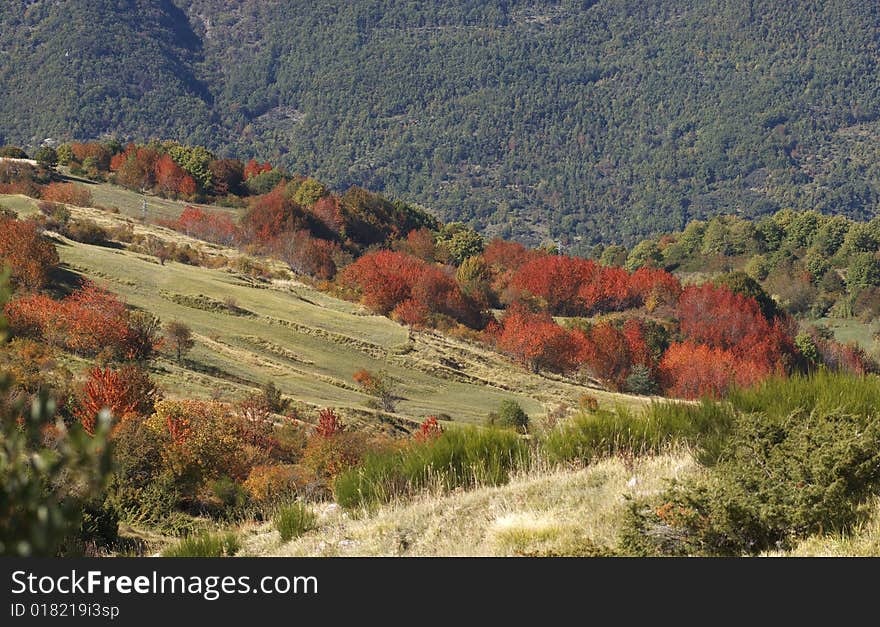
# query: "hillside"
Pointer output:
{"type": "Point", "coordinates": [307, 343]}
{"type": "Point", "coordinates": [573, 121]}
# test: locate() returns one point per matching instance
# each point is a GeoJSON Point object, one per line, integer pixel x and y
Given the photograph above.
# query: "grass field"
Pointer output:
{"type": "Point", "coordinates": [850, 330]}
{"type": "Point", "coordinates": [307, 343]}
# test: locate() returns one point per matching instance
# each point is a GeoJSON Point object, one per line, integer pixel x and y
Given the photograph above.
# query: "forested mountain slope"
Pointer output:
{"type": "Point", "coordinates": [581, 121]}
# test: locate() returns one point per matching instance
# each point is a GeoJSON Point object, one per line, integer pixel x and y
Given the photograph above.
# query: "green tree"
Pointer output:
{"type": "Point", "coordinates": [739, 282]}
{"type": "Point", "coordinates": [510, 415]}
{"type": "Point", "coordinates": [461, 242]}
{"type": "Point", "coordinates": [308, 192]}
{"type": "Point", "coordinates": [645, 253]}
{"type": "Point", "coordinates": [863, 271]}
{"type": "Point", "coordinates": [47, 157]}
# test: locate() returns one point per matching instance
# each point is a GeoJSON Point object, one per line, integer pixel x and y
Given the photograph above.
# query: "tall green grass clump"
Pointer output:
{"type": "Point", "coordinates": [460, 458]}
{"type": "Point", "coordinates": [205, 545]}
{"type": "Point", "coordinates": [601, 433]}
{"type": "Point", "coordinates": [822, 391]}
{"type": "Point", "coordinates": [294, 520]}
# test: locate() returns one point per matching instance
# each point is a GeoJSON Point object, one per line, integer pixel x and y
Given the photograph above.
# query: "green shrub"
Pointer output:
{"type": "Point", "coordinates": [510, 416]}
{"type": "Point", "coordinates": [459, 458]}
{"type": "Point", "coordinates": [293, 521]}
{"type": "Point", "coordinates": [801, 458]}
{"type": "Point", "coordinates": [205, 545]}
{"type": "Point", "coordinates": [640, 381]}
{"type": "Point", "coordinates": [44, 490]}
{"type": "Point", "coordinates": [606, 432]}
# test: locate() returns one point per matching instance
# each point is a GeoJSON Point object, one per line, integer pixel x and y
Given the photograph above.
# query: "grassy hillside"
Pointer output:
{"type": "Point", "coordinates": [307, 343]}
{"type": "Point", "coordinates": [576, 121]}
{"type": "Point", "coordinates": [559, 512]}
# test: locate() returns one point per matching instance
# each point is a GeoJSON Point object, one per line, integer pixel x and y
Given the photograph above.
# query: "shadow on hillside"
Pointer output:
{"type": "Point", "coordinates": [63, 281]}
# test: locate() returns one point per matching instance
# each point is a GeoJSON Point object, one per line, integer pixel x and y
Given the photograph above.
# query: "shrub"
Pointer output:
{"type": "Point", "coordinates": [460, 458]}
{"type": "Point", "coordinates": [67, 193]}
{"type": "Point", "coordinates": [86, 232]}
{"type": "Point", "coordinates": [510, 416]}
{"type": "Point", "coordinates": [776, 483]}
{"type": "Point", "coordinates": [29, 255]}
{"type": "Point", "coordinates": [801, 457]}
{"type": "Point", "coordinates": [205, 545]}
{"type": "Point", "coordinates": [267, 483]}
{"type": "Point", "coordinates": [293, 521]}
{"type": "Point", "coordinates": [43, 491]}
{"type": "Point", "coordinates": [378, 385]}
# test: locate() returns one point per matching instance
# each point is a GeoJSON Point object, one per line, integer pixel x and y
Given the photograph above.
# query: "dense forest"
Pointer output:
{"type": "Point", "coordinates": [578, 122]}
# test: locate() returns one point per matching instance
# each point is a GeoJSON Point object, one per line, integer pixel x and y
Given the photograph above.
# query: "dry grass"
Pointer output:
{"type": "Point", "coordinates": [862, 541]}
{"type": "Point", "coordinates": [549, 512]}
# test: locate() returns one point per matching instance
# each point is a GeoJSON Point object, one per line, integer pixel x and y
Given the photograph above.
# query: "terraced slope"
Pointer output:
{"type": "Point", "coordinates": [306, 342]}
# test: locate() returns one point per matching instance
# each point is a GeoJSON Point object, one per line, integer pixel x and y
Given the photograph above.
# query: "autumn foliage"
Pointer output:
{"type": "Point", "coordinates": [124, 393]}
{"type": "Point", "coordinates": [88, 322]}
{"type": "Point", "coordinates": [68, 193]}
{"type": "Point", "coordinates": [29, 256]}
{"type": "Point", "coordinates": [727, 342]}
{"type": "Point", "coordinates": [409, 288]}
{"type": "Point", "coordinates": [328, 424]}
{"type": "Point", "coordinates": [210, 226]}
{"type": "Point", "coordinates": [537, 342]}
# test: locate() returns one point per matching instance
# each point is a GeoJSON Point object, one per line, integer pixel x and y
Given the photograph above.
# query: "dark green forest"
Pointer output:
{"type": "Point", "coordinates": [579, 122]}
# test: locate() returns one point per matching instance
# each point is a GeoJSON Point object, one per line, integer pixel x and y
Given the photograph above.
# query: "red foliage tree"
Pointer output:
{"type": "Point", "coordinates": [717, 317]}
{"type": "Point", "coordinates": [88, 322]}
{"type": "Point", "coordinates": [169, 176]}
{"type": "Point", "coordinates": [29, 256]}
{"type": "Point", "coordinates": [610, 353]}
{"type": "Point", "coordinates": [227, 175]}
{"type": "Point", "coordinates": [136, 167]}
{"type": "Point", "coordinates": [105, 389]}
{"type": "Point", "coordinates": [653, 287]}
{"type": "Point", "coordinates": [307, 255]}
{"type": "Point", "coordinates": [555, 280]}
{"type": "Point", "coordinates": [328, 210]}
{"type": "Point", "coordinates": [253, 168]}
{"type": "Point", "coordinates": [271, 216]}
{"type": "Point", "coordinates": [536, 341]}
{"type": "Point", "coordinates": [211, 226]}
{"type": "Point", "coordinates": [694, 370]}
{"type": "Point", "coordinates": [97, 153]}
{"type": "Point", "coordinates": [393, 281]}
{"type": "Point", "coordinates": [420, 243]}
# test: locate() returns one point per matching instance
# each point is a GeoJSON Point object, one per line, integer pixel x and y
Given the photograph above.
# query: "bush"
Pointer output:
{"type": "Point", "coordinates": [510, 416]}
{"type": "Point", "coordinates": [293, 521]}
{"type": "Point", "coordinates": [459, 458]}
{"type": "Point", "coordinates": [270, 482]}
{"type": "Point", "coordinates": [86, 232]}
{"type": "Point", "coordinates": [67, 193]}
{"type": "Point", "coordinates": [800, 458]}
{"type": "Point", "coordinates": [205, 545]}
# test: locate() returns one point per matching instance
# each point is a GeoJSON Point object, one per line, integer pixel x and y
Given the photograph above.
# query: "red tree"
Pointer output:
{"type": "Point", "coordinates": [536, 341]}
{"type": "Point", "coordinates": [29, 256]}
{"type": "Point", "coordinates": [105, 389]}
{"type": "Point", "coordinates": [396, 282]}
{"type": "Point", "coordinates": [253, 168]}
